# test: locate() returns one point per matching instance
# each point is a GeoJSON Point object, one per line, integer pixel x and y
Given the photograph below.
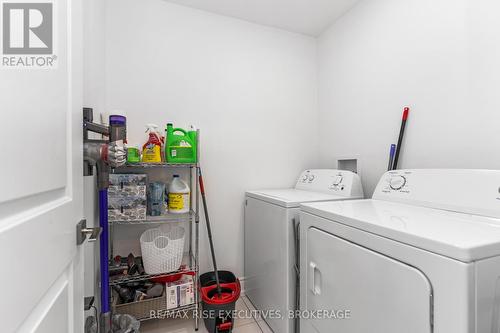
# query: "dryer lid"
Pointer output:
{"type": "Point", "coordinates": [460, 236]}
{"type": "Point", "coordinates": [290, 198]}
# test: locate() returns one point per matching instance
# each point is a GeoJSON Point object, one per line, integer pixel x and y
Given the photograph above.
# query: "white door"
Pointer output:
{"type": "Point", "coordinates": [382, 295]}
{"type": "Point", "coordinates": [41, 179]}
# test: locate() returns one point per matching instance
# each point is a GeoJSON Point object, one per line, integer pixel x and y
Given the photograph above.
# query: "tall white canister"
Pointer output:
{"type": "Point", "coordinates": [179, 196]}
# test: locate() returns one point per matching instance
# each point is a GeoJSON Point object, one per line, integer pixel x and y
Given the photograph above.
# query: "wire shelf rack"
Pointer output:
{"type": "Point", "coordinates": [137, 278]}
{"type": "Point", "coordinates": [142, 309]}
{"type": "Point", "coordinates": [153, 309]}
{"type": "Point", "coordinates": [168, 218]}
{"type": "Point", "coordinates": [155, 165]}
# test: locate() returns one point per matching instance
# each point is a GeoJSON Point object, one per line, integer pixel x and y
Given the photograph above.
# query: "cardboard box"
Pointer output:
{"type": "Point", "coordinates": [180, 293]}
{"type": "Point", "coordinates": [171, 292]}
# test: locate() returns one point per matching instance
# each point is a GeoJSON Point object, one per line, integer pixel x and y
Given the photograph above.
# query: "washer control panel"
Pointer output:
{"type": "Point", "coordinates": [338, 182]}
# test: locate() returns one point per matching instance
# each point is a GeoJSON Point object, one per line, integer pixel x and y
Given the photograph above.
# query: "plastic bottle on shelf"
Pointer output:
{"type": "Point", "coordinates": [180, 145]}
{"type": "Point", "coordinates": [133, 153]}
{"type": "Point", "coordinates": [155, 195]}
{"type": "Point", "coordinates": [151, 150]}
{"type": "Point", "coordinates": [178, 196]}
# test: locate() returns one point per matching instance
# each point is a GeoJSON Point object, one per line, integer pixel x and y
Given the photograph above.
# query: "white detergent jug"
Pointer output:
{"type": "Point", "coordinates": [179, 196]}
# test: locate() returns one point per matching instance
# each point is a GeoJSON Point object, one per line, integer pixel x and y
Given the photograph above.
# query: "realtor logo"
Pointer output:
{"type": "Point", "coordinates": [27, 34]}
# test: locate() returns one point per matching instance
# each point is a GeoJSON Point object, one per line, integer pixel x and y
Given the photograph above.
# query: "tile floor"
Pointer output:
{"type": "Point", "coordinates": [242, 325]}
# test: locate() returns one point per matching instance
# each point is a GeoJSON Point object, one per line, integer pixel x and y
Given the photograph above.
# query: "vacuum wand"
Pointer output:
{"type": "Point", "coordinates": [209, 231]}
{"type": "Point", "coordinates": [401, 135]}
{"type": "Point", "coordinates": [103, 155]}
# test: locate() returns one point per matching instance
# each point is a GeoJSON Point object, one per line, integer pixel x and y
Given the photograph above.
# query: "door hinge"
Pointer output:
{"type": "Point", "coordinates": [82, 232]}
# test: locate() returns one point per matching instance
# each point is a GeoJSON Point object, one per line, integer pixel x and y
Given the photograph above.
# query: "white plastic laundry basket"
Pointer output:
{"type": "Point", "coordinates": [162, 249]}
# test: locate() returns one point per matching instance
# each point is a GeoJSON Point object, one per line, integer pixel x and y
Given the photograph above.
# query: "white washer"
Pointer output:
{"type": "Point", "coordinates": [270, 259]}
{"type": "Point", "coordinates": [422, 256]}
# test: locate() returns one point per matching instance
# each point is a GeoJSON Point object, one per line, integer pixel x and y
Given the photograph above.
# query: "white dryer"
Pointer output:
{"type": "Point", "coordinates": [422, 256]}
{"type": "Point", "coordinates": [270, 239]}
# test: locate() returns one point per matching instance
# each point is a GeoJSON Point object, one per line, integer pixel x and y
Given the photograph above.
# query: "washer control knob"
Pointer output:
{"type": "Point", "coordinates": [311, 177]}
{"type": "Point", "coordinates": [397, 182]}
{"type": "Point", "coordinates": [304, 178]}
{"type": "Point", "coordinates": [337, 180]}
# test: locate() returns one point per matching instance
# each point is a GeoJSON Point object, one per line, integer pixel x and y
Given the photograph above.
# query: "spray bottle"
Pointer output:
{"type": "Point", "coordinates": [151, 150]}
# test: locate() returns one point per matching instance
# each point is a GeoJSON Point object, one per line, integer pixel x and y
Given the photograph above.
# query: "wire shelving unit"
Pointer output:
{"type": "Point", "coordinates": [190, 263]}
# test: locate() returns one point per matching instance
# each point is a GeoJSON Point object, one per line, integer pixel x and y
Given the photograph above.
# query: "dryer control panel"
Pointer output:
{"type": "Point", "coordinates": [397, 182]}
{"type": "Point", "coordinates": [331, 181]}
{"type": "Point", "coordinates": [467, 191]}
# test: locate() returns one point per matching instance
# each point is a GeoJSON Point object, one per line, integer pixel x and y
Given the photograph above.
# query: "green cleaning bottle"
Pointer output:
{"type": "Point", "coordinates": [181, 145]}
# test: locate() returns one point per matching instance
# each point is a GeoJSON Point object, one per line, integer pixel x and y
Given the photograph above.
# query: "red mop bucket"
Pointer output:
{"type": "Point", "coordinates": [218, 309]}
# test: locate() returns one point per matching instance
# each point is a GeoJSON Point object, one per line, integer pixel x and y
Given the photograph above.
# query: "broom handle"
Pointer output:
{"type": "Point", "coordinates": [209, 230]}
{"type": "Point", "coordinates": [400, 140]}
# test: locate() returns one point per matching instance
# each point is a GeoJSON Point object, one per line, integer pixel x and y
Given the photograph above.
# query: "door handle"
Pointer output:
{"type": "Point", "coordinates": [82, 232]}
{"type": "Point", "coordinates": [315, 278]}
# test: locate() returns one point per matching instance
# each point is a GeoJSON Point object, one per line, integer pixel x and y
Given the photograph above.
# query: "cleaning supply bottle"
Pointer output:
{"type": "Point", "coordinates": [179, 196]}
{"type": "Point", "coordinates": [133, 154]}
{"type": "Point", "coordinates": [155, 195]}
{"type": "Point", "coordinates": [181, 146]}
{"type": "Point", "coordinates": [151, 150]}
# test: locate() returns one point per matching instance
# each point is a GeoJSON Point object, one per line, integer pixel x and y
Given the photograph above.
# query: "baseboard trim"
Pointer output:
{"type": "Point", "coordinates": [242, 283]}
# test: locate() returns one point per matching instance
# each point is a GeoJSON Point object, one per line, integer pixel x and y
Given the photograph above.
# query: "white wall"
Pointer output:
{"type": "Point", "coordinates": [94, 55]}
{"type": "Point", "coordinates": [250, 89]}
{"type": "Point", "coordinates": [438, 57]}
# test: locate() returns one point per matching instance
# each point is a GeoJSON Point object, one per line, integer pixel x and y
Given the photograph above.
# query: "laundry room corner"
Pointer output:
{"type": "Point", "coordinates": [192, 67]}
